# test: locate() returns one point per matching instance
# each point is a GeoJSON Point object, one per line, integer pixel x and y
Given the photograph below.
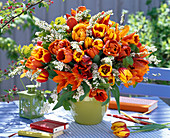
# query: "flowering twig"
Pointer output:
{"type": "Point", "coordinates": [21, 13]}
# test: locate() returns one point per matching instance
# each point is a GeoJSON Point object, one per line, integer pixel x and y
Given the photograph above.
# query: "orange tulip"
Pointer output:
{"type": "Point", "coordinates": [43, 76]}
{"type": "Point", "coordinates": [64, 44]}
{"type": "Point", "coordinates": [77, 56]}
{"type": "Point", "coordinates": [53, 47]}
{"type": "Point", "coordinates": [111, 48]}
{"type": "Point", "coordinates": [99, 94]}
{"type": "Point", "coordinates": [125, 51]}
{"type": "Point", "coordinates": [64, 55]}
{"type": "Point", "coordinates": [79, 32]}
{"type": "Point", "coordinates": [88, 42]}
{"type": "Point", "coordinates": [71, 22]}
{"type": "Point", "coordinates": [32, 63]}
{"type": "Point", "coordinates": [81, 8]}
{"type": "Point", "coordinates": [125, 75]}
{"type": "Point", "coordinates": [73, 12]}
{"type": "Point", "coordinates": [122, 132]}
{"type": "Point", "coordinates": [138, 70]}
{"type": "Point", "coordinates": [92, 52]}
{"type": "Point", "coordinates": [118, 124]}
{"type": "Point", "coordinates": [98, 43]}
{"type": "Point", "coordinates": [41, 54]}
{"type": "Point", "coordinates": [130, 39]}
{"type": "Point", "coordinates": [99, 30]}
{"type": "Point", "coordinates": [105, 70]}
{"type": "Point", "coordinates": [110, 34]}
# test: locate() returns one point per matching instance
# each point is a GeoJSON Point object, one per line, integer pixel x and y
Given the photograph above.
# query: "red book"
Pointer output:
{"type": "Point", "coordinates": [49, 125]}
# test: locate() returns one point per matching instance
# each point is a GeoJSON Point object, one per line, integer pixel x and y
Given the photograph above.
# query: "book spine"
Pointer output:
{"type": "Point", "coordinates": [61, 128]}
{"type": "Point", "coordinates": [41, 128]}
{"type": "Point", "coordinates": [129, 106]}
{"type": "Point", "coordinates": [34, 134]}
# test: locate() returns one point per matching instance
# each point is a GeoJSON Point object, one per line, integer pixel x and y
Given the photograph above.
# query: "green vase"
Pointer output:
{"type": "Point", "coordinates": [29, 104]}
{"type": "Point", "coordinates": [88, 112]}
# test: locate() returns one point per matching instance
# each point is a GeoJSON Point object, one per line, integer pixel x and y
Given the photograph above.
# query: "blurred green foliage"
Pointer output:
{"type": "Point", "coordinates": [154, 31]}
{"type": "Point", "coordinates": [8, 44]}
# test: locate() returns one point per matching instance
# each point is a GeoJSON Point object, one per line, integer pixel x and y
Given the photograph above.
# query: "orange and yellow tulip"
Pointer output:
{"type": "Point", "coordinates": [105, 20]}
{"type": "Point", "coordinates": [111, 48]}
{"type": "Point", "coordinates": [118, 124]}
{"type": "Point", "coordinates": [122, 132]}
{"type": "Point", "coordinates": [77, 56]}
{"type": "Point", "coordinates": [79, 32]}
{"type": "Point", "coordinates": [98, 43]}
{"type": "Point", "coordinates": [64, 55]}
{"type": "Point", "coordinates": [99, 94]}
{"type": "Point", "coordinates": [99, 30]}
{"type": "Point", "coordinates": [110, 34]}
{"type": "Point", "coordinates": [43, 76]}
{"type": "Point", "coordinates": [53, 47]}
{"type": "Point", "coordinates": [105, 70]}
{"type": "Point", "coordinates": [41, 54]}
{"type": "Point", "coordinates": [32, 63]}
{"type": "Point", "coordinates": [88, 42]}
{"type": "Point", "coordinates": [125, 75]}
{"type": "Point", "coordinates": [111, 79]}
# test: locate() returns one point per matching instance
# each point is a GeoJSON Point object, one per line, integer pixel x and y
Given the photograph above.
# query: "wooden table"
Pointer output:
{"type": "Point", "coordinates": [10, 122]}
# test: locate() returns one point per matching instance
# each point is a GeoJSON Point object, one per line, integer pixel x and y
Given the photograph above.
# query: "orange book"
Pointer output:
{"type": "Point", "coordinates": [134, 104]}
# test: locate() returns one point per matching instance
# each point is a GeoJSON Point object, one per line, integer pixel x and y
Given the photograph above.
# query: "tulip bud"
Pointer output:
{"type": "Point", "coordinates": [118, 124]}
{"type": "Point", "coordinates": [122, 132]}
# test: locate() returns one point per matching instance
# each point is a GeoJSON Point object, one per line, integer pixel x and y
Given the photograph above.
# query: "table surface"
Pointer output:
{"type": "Point", "coordinates": [10, 122]}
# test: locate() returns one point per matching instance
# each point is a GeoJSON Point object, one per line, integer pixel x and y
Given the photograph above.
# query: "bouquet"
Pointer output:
{"type": "Point", "coordinates": [86, 56]}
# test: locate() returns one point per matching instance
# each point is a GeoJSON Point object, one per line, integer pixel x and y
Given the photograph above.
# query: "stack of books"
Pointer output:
{"type": "Point", "coordinates": [44, 129]}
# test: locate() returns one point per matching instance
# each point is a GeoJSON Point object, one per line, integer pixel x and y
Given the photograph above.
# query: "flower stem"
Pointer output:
{"type": "Point", "coordinates": [23, 84]}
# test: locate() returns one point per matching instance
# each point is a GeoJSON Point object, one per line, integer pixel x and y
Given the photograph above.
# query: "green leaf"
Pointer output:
{"type": "Point", "coordinates": [9, 97]}
{"type": "Point", "coordinates": [127, 61]}
{"type": "Point", "coordinates": [148, 2]}
{"type": "Point", "coordinates": [65, 95]}
{"type": "Point", "coordinates": [66, 105]}
{"type": "Point", "coordinates": [104, 85]}
{"type": "Point", "coordinates": [134, 48]}
{"type": "Point", "coordinates": [108, 99]}
{"type": "Point", "coordinates": [96, 59]}
{"type": "Point", "coordinates": [135, 84]}
{"type": "Point", "coordinates": [86, 89]}
{"type": "Point", "coordinates": [52, 74]}
{"type": "Point", "coordinates": [116, 94]}
{"type": "Point", "coordinates": [150, 128]}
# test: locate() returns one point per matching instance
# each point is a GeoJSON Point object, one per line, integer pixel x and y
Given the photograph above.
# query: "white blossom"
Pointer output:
{"type": "Point", "coordinates": [54, 96]}
{"type": "Point", "coordinates": [58, 65]}
{"type": "Point", "coordinates": [45, 108]}
{"type": "Point", "coordinates": [80, 92]}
